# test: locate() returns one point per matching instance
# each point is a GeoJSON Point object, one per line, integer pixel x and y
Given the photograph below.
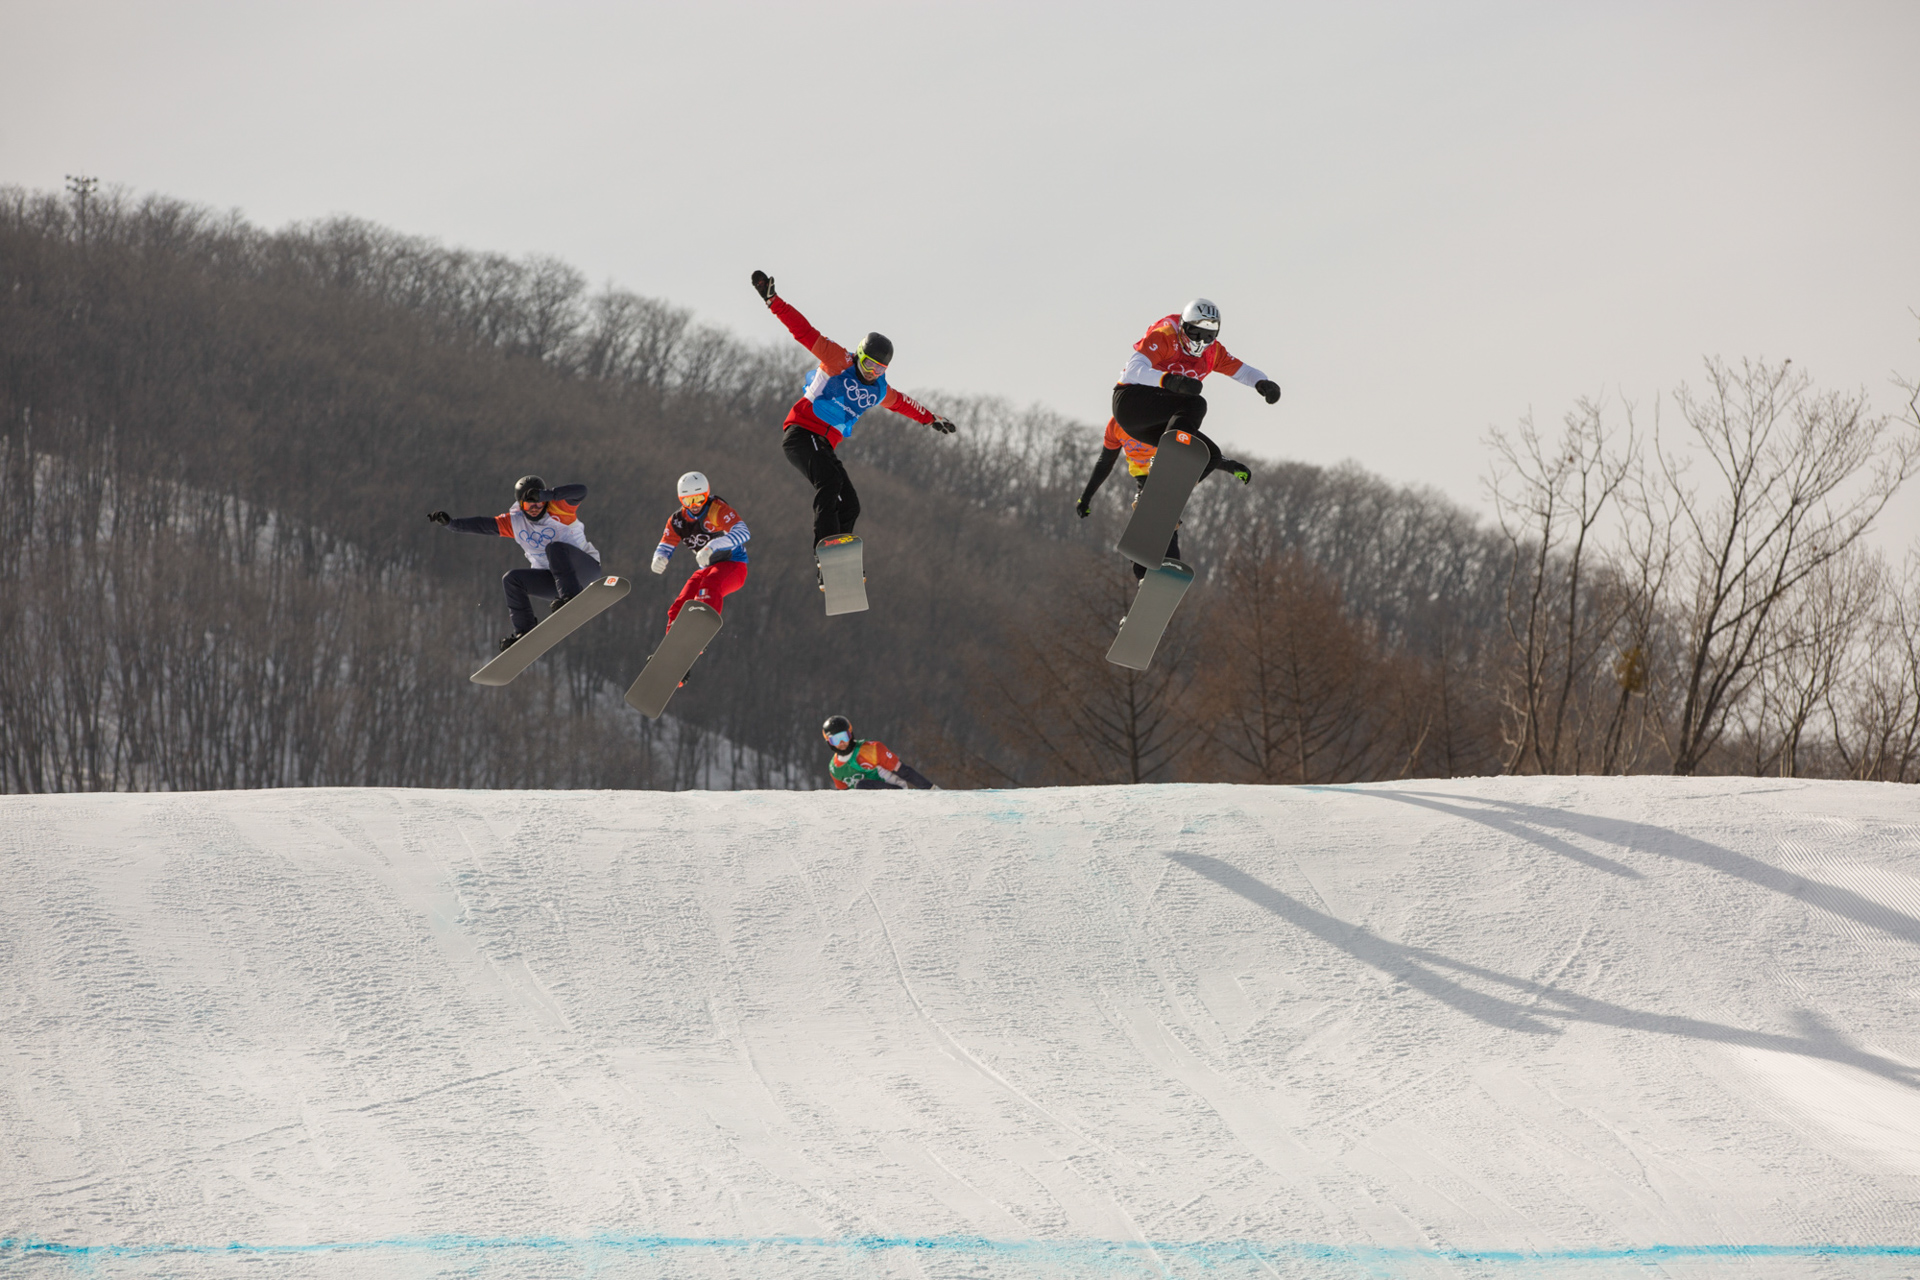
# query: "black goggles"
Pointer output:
{"type": "Point", "coordinates": [1196, 333]}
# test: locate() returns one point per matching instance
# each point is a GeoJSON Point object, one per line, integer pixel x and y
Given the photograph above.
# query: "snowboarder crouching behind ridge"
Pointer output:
{"type": "Point", "coordinates": [716, 535]}
{"type": "Point", "coordinates": [844, 386]}
{"type": "Point", "coordinates": [1159, 391]}
{"type": "Point", "coordinates": [546, 524]}
{"type": "Point", "coordinates": [866, 766]}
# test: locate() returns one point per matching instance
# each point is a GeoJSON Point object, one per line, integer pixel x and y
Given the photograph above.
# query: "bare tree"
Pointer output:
{"type": "Point", "coordinates": [1794, 478]}
{"type": "Point", "coordinates": [1549, 500]}
{"type": "Point", "coordinates": [1293, 690]}
{"type": "Point", "coordinates": [1091, 721]}
{"type": "Point", "coordinates": [1813, 643]}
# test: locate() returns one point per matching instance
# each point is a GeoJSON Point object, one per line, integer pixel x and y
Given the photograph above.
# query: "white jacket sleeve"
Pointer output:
{"type": "Point", "coordinates": [1140, 370]}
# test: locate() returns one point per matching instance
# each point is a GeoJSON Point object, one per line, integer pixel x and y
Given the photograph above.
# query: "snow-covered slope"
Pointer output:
{"type": "Point", "coordinates": [1511, 1027]}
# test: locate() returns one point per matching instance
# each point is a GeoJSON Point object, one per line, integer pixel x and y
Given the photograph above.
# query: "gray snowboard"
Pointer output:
{"type": "Point", "coordinates": [842, 575]}
{"type": "Point", "coordinates": [685, 640]}
{"type": "Point", "coordinates": [594, 597]}
{"type": "Point", "coordinates": [1177, 465]}
{"type": "Point", "coordinates": [1160, 594]}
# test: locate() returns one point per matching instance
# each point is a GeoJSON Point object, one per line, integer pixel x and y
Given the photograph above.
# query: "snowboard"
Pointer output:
{"type": "Point", "coordinates": [1160, 594]}
{"type": "Point", "coordinates": [685, 641]}
{"type": "Point", "coordinates": [1177, 465]}
{"type": "Point", "coordinates": [593, 598]}
{"type": "Point", "coordinates": [842, 575]}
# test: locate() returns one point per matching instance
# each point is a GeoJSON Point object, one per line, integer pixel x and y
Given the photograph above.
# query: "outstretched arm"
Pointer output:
{"type": "Point", "coordinates": [1245, 374]}
{"type": "Point", "coordinates": [907, 407]}
{"type": "Point", "coordinates": [832, 356]}
{"type": "Point", "coordinates": [486, 526]}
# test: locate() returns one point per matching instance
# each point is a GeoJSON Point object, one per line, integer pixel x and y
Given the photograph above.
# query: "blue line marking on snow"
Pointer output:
{"type": "Point", "coordinates": [1107, 1252]}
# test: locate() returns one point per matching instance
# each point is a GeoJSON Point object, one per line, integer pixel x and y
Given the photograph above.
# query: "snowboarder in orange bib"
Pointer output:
{"type": "Point", "coordinates": [1159, 390]}
{"type": "Point", "coordinates": [716, 535]}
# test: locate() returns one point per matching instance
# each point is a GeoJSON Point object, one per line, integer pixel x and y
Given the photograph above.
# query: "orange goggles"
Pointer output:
{"type": "Point", "coordinates": [694, 501]}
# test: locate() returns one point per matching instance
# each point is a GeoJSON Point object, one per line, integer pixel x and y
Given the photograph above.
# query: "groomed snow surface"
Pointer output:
{"type": "Point", "coordinates": [1514, 1027]}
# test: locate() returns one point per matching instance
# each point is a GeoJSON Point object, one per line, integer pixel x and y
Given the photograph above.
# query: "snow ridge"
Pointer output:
{"type": "Point", "coordinates": [1642, 1026]}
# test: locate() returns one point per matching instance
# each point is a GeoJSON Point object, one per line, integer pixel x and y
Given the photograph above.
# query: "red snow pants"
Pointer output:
{"type": "Point", "coordinates": [709, 586]}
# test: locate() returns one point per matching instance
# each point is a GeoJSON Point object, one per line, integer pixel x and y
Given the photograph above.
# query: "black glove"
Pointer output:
{"type": "Point", "coordinates": [1180, 384]}
{"type": "Point", "coordinates": [1268, 388]}
{"type": "Point", "coordinates": [763, 285]}
{"type": "Point", "coordinates": [438, 517]}
{"type": "Point", "coordinates": [545, 495]}
{"type": "Point", "coordinates": [1084, 506]}
{"type": "Point", "coordinates": [944, 427]}
{"type": "Point", "coordinates": [1238, 470]}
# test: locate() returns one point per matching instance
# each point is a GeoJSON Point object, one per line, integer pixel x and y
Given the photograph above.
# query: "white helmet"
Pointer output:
{"type": "Point", "coordinates": [694, 491]}
{"type": "Point", "coordinates": [1199, 326]}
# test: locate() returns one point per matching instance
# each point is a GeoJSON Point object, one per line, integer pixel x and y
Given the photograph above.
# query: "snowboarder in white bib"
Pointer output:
{"type": "Point", "coordinates": [546, 524]}
{"type": "Point", "coordinates": [866, 766]}
{"type": "Point", "coordinates": [1159, 391]}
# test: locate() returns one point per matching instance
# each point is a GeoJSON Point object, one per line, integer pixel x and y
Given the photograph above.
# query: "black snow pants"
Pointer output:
{"type": "Point", "coordinates": [1147, 413]}
{"type": "Point", "coordinates": [835, 505]}
{"type": "Point", "coordinates": [572, 569]}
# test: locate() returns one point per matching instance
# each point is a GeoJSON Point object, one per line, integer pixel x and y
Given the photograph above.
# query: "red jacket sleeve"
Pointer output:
{"type": "Point", "coordinates": [905, 405]}
{"type": "Point", "coordinates": [832, 356]}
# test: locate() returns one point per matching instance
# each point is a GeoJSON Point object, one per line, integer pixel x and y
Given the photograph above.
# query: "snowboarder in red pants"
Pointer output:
{"type": "Point", "coordinates": [716, 535]}
{"type": "Point", "coordinates": [844, 386]}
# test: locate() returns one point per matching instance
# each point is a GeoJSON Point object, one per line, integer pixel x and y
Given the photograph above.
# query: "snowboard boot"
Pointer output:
{"type": "Point", "coordinates": [559, 603]}
{"type": "Point", "coordinates": [506, 642]}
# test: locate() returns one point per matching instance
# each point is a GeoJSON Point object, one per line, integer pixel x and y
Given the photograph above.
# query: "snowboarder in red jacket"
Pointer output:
{"type": "Point", "coordinates": [716, 535]}
{"type": "Point", "coordinates": [1159, 390]}
{"type": "Point", "coordinates": [844, 386]}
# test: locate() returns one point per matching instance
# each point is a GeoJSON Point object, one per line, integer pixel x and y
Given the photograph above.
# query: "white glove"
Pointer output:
{"type": "Point", "coordinates": [659, 564]}
{"type": "Point", "coordinates": [703, 555]}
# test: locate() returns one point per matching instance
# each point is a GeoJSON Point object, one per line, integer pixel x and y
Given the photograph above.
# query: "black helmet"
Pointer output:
{"type": "Point", "coordinates": [878, 348]}
{"type": "Point", "coordinates": [527, 488]}
{"type": "Point", "coordinates": [837, 725]}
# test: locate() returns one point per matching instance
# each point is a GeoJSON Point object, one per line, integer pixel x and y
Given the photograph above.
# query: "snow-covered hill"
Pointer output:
{"type": "Point", "coordinates": [1590, 1027]}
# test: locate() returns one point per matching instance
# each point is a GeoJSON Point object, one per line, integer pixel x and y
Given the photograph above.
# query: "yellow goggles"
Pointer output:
{"type": "Point", "coordinates": [868, 365]}
{"type": "Point", "coordinates": [694, 501]}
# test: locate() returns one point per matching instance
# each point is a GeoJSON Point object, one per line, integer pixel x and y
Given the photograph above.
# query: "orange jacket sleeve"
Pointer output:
{"type": "Point", "coordinates": [877, 753]}
{"type": "Point", "coordinates": [832, 356]}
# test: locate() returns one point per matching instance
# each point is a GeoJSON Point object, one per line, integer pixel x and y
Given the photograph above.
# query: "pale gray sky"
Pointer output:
{"type": "Point", "coordinates": [1422, 219]}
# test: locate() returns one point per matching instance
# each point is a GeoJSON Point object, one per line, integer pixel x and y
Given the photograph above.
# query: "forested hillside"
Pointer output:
{"type": "Point", "coordinates": [220, 444]}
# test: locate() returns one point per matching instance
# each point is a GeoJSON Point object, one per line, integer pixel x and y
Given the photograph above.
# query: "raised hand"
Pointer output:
{"type": "Point", "coordinates": [1268, 388]}
{"type": "Point", "coordinates": [438, 517]}
{"type": "Point", "coordinates": [763, 285]}
{"type": "Point", "coordinates": [944, 427]}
